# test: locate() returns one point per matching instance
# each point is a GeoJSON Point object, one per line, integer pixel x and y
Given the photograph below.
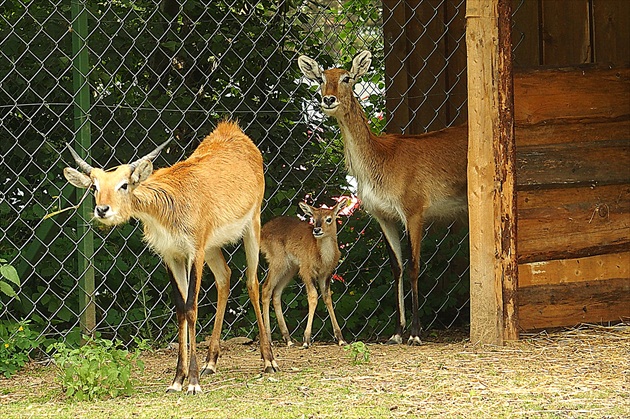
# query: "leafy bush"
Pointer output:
{"type": "Point", "coordinates": [8, 278]}
{"type": "Point", "coordinates": [359, 352]}
{"type": "Point", "coordinates": [97, 369]}
{"type": "Point", "coordinates": [17, 342]}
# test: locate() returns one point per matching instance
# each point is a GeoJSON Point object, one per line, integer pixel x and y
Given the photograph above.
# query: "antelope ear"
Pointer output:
{"type": "Point", "coordinates": [141, 171]}
{"type": "Point", "coordinates": [310, 69]}
{"type": "Point", "coordinates": [308, 210]}
{"type": "Point", "coordinates": [76, 178]}
{"type": "Point", "coordinates": [341, 205]}
{"type": "Point", "coordinates": [361, 64]}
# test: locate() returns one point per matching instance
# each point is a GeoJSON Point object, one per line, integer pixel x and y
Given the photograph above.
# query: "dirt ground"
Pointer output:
{"type": "Point", "coordinates": [583, 372]}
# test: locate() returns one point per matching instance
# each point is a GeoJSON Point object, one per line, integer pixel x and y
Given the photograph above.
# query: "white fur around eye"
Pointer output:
{"type": "Point", "coordinates": [121, 184]}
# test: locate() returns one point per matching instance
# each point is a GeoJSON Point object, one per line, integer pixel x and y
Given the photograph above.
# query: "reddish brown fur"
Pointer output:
{"type": "Point", "coordinates": [400, 178]}
{"type": "Point", "coordinates": [290, 247]}
{"type": "Point", "coordinates": [189, 211]}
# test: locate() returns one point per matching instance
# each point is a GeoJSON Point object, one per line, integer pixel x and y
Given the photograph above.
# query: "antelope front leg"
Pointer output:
{"type": "Point", "coordinates": [182, 353]}
{"type": "Point", "coordinates": [415, 241]}
{"type": "Point", "coordinates": [311, 293]}
{"type": "Point", "coordinates": [392, 239]}
{"type": "Point", "coordinates": [324, 287]}
{"type": "Point", "coordinates": [191, 319]}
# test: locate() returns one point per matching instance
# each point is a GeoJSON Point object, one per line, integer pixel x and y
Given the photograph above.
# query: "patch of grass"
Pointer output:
{"type": "Point", "coordinates": [569, 375]}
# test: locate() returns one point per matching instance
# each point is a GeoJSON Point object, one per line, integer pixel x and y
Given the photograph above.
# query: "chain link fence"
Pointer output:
{"type": "Point", "coordinates": [117, 78]}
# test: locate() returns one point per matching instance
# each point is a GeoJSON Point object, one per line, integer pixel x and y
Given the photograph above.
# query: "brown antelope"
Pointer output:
{"type": "Point", "coordinates": [189, 211]}
{"type": "Point", "coordinates": [400, 178]}
{"type": "Point", "coordinates": [292, 246]}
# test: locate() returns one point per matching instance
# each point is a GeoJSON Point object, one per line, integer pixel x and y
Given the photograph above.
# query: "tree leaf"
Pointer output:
{"type": "Point", "coordinates": [7, 290]}
{"type": "Point", "coordinates": [10, 273]}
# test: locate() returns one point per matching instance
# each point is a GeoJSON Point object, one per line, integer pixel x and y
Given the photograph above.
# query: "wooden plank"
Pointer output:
{"type": "Point", "coordinates": [424, 32]}
{"type": "Point", "coordinates": [396, 72]}
{"type": "Point", "coordinates": [570, 304]}
{"type": "Point", "coordinates": [491, 166]}
{"type": "Point", "coordinates": [572, 94]}
{"type": "Point", "coordinates": [572, 132]}
{"type": "Point", "coordinates": [526, 33]}
{"type": "Point", "coordinates": [455, 47]}
{"type": "Point", "coordinates": [563, 271]}
{"type": "Point", "coordinates": [611, 33]}
{"type": "Point", "coordinates": [573, 222]}
{"type": "Point", "coordinates": [565, 32]}
{"type": "Point", "coordinates": [597, 162]}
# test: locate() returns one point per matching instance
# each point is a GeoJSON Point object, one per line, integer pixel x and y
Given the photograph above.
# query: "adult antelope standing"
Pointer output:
{"type": "Point", "coordinates": [400, 178]}
{"type": "Point", "coordinates": [189, 211]}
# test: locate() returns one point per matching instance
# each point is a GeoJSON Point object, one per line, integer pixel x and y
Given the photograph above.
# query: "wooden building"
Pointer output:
{"type": "Point", "coordinates": [549, 148]}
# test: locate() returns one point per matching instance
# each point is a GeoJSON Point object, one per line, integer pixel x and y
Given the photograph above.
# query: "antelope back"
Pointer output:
{"type": "Point", "coordinates": [193, 196]}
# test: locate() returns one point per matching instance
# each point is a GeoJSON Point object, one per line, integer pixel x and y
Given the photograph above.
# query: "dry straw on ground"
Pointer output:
{"type": "Point", "coordinates": [577, 373]}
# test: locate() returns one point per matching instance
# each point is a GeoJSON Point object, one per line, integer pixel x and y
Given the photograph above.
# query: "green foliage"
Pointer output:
{"type": "Point", "coordinates": [8, 278]}
{"type": "Point", "coordinates": [174, 71]}
{"type": "Point", "coordinates": [358, 352]}
{"type": "Point", "coordinates": [98, 369]}
{"type": "Point", "coordinates": [17, 341]}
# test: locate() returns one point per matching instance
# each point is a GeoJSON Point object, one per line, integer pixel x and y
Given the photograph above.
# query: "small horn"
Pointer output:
{"type": "Point", "coordinates": [80, 162]}
{"type": "Point", "coordinates": [152, 155]}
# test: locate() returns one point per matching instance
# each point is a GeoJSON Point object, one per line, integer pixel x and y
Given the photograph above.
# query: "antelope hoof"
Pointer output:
{"type": "Point", "coordinates": [194, 389]}
{"type": "Point", "coordinates": [414, 341]}
{"type": "Point", "coordinates": [305, 345]}
{"type": "Point", "coordinates": [271, 367]}
{"type": "Point", "coordinates": [174, 388]}
{"type": "Point", "coordinates": [290, 344]}
{"type": "Point", "coordinates": [342, 342]}
{"type": "Point", "coordinates": [395, 340]}
{"type": "Point", "coordinates": [208, 370]}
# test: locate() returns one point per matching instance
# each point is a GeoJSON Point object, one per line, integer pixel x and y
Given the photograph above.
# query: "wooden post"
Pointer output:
{"type": "Point", "coordinates": [85, 251]}
{"type": "Point", "coordinates": [491, 167]}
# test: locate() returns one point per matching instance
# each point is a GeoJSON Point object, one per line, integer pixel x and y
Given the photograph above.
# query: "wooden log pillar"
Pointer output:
{"type": "Point", "coordinates": [491, 171]}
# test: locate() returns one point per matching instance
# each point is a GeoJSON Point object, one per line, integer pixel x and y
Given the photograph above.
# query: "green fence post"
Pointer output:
{"type": "Point", "coordinates": [85, 252]}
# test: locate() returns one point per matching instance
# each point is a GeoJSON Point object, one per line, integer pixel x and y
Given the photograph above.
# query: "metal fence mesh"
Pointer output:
{"type": "Point", "coordinates": [118, 78]}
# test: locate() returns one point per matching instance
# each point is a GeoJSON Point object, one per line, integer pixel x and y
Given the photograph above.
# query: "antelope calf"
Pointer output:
{"type": "Point", "coordinates": [400, 178]}
{"type": "Point", "coordinates": [294, 247]}
{"type": "Point", "coordinates": [189, 211]}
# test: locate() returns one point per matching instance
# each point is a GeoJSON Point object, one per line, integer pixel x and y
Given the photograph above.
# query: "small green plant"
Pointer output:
{"type": "Point", "coordinates": [98, 369]}
{"type": "Point", "coordinates": [8, 278]}
{"type": "Point", "coordinates": [17, 342]}
{"type": "Point", "coordinates": [358, 352]}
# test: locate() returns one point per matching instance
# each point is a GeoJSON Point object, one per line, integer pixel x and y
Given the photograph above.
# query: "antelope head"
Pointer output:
{"type": "Point", "coordinates": [336, 84]}
{"type": "Point", "coordinates": [113, 188]}
{"type": "Point", "coordinates": [324, 217]}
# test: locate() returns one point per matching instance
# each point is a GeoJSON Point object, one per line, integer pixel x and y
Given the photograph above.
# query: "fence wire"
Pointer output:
{"type": "Point", "coordinates": [149, 70]}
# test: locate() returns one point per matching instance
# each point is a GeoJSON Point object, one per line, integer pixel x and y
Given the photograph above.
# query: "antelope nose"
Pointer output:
{"type": "Point", "coordinates": [101, 210]}
{"type": "Point", "coordinates": [329, 100]}
{"type": "Point", "coordinates": [317, 231]}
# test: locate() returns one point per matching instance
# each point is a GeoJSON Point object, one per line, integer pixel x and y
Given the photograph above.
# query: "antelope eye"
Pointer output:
{"type": "Point", "coordinates": [93, 188]}
{"type": "Point", "coordinates": [346, 79]}
{"type": "Point", "coordinates": [124, 186]}
{"type": "Point", "coordinates": [328, 220]}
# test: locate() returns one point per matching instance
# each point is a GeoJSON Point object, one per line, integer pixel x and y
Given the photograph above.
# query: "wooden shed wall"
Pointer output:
{"type": "Point", "coordinates": [573, 196]}
{"type": "Point", "coordinates": [425, 51]}
{"type": "Point", "coordinates": [572, 129]}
